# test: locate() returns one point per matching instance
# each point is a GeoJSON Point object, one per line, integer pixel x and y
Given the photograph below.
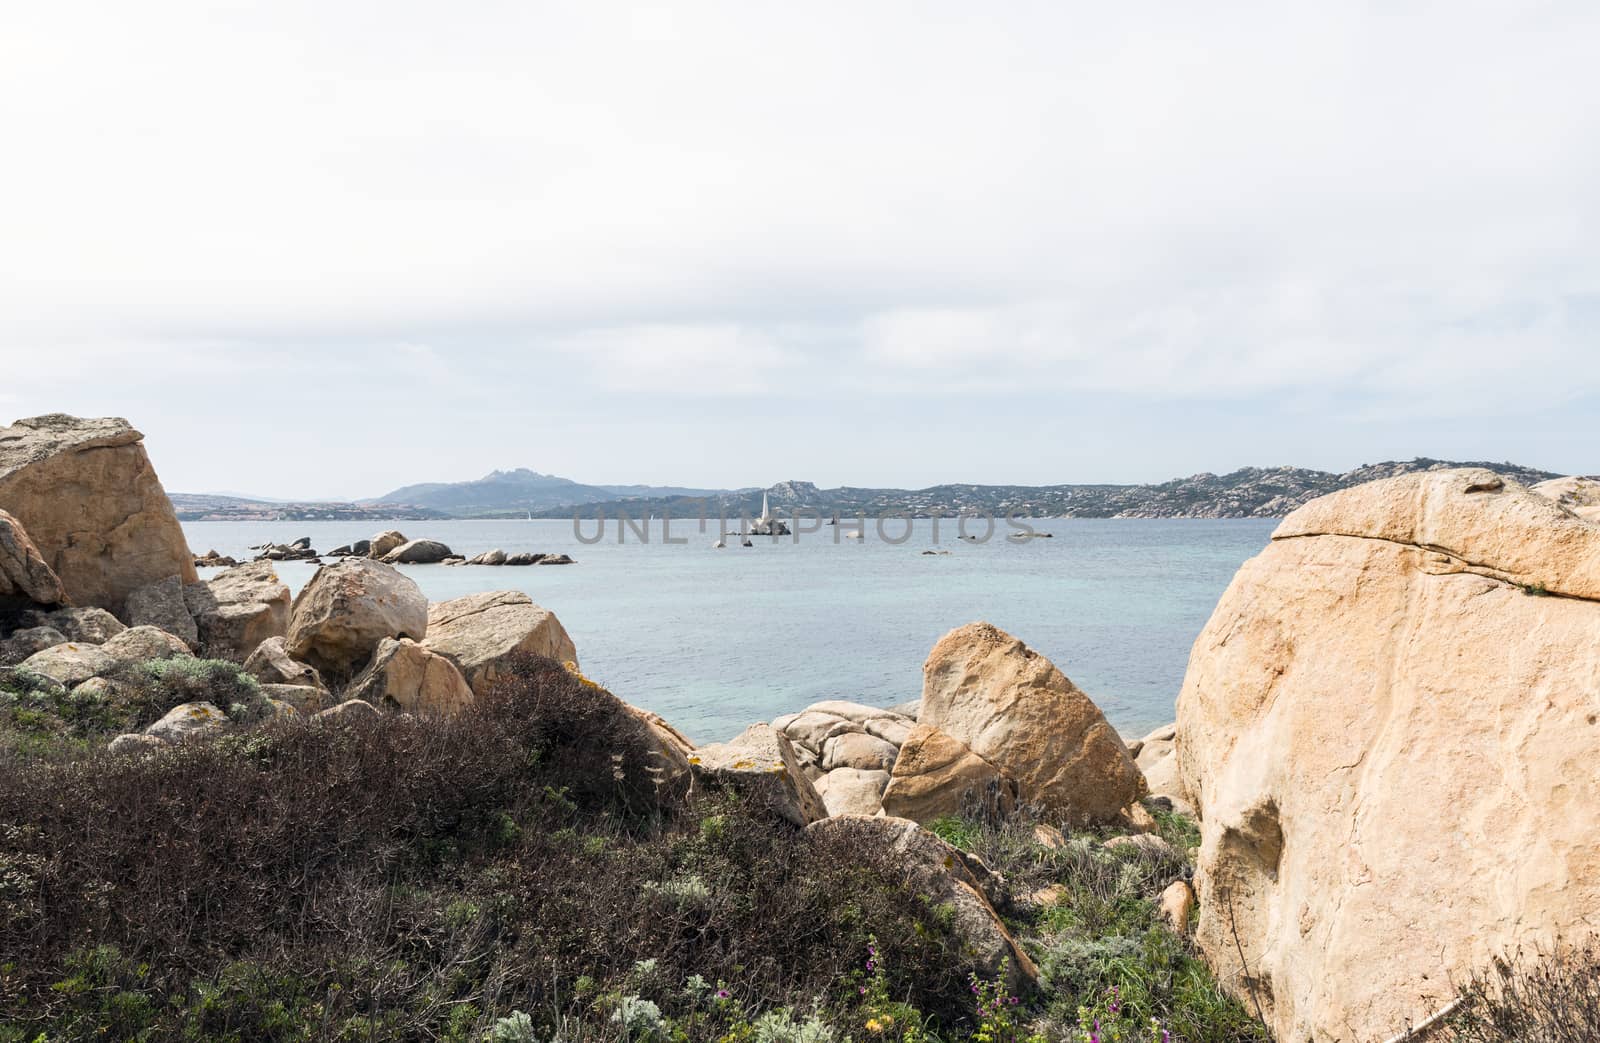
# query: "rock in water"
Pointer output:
{"type": "Point", "coordinates": [93, 506]}
{"type": "Point", "coordinates": [25, 579]}
{"type": "Point", "coordinates": [161, 605]}
{"type": "Point", "coordinates": [417, 552]}
{"type": "Point", "coordinates": [480, 632]}
{"type": "Point", "coordinates": [1391, 741]}
{"type": "Point", "coordinates": [382, 543]}
{"type": "Point", "coordinates": [1011, 706]}
{"type": "Point", "coordinates": [235, 610]}
{"type": "Point", "coordinates": [409, 677]}
{"type": "Point", "coordinates": [347, 608]}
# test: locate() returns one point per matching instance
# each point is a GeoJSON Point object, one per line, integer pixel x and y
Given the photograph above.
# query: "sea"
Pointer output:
{"type": "Point", "coordinates": [717, 639]}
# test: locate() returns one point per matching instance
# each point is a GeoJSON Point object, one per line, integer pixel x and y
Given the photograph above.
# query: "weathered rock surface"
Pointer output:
{"type": "Point", "coordinates": [851, 791]}
{"type": "Point", "coordinates": [347, 608]}
{"type": "Point", "coordinates": [481, 632]}
{"type": "Point", "coordinates": [1158, 762]}
{"type": "Point", "coordinates": [409, 677]}
{"type": "Point", "coordinates": [92, 626]}
{"type": "Point", "coordinates": [70, 663]}
{"type": "Point", "coordinates": [1393, 749]}
{"type": "Point", "coordinates": [1010, 706]}
{"type": "Point", "coordinates": [936, 775]}
{"type": "Point", "coordinates": [137, 644]}
{"type": "Point", "coordinates": [760, 763]}
{"type": "Point", "coordinates": [187, 720]}
{"type": "Point", "coordinates": [237, 609]}
{"type": "Point", "coordinates": [1580, 495]}
{"type": "Point", "coordinates": [417, 552]}
{"type": "Point", "coordinates": [271, 663]}
{"type": "Point", "coordinates": [939, 871]}
{"type": "Point", "coordinates": [92, 505]}
{"type": "Point", "coordinates": [161, 604]}
{"type": "Point", "coordinates": [25, 642]}
{"type": "Point", "coordinates": [858, 750]}
{"type": "Point", "coordinates": [1177, 905]}
{"type": "Point", "coordinates": [302, 697]}
{"type": "Point", "coordinates": [134, 743]}
{"type": "Point", "coordinates": [384, 542]}
{"type": "Point", "coordinates": [25, 579]}
{"type": "Point", "coordinates": [348, 712]}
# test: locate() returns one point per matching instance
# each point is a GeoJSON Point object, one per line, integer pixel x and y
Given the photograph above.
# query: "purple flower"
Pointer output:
{"type": "Point", "coordinates": [872, 965]}
{"type": "Point", "coordinates": [723, 994]}
{"type": "Point", "coordinates": [863, 990]}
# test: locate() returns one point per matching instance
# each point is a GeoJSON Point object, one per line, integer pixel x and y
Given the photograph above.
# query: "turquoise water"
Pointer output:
{"type": "Point", "coordinates": [716, 639]}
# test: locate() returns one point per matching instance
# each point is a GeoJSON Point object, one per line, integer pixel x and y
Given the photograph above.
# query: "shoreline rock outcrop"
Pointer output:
{"type": "Point", "coordinates": [86, 493]}
{"type": "Point", "coordinates": [346, 609]}
{"type": "Point", "coordinates": [1390, 735]}
{"type": "Point", "coordinates": [483, 632]}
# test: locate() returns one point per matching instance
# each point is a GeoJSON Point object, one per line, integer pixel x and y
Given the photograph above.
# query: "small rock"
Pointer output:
{"type": "Point", "coordinates": [302, 697]}
{"type": "Point", "coordinates": [1148, 843]}
{"type": "Point", "coordinates": [71, 663]}
{"type": "Point", "coordinates": [134, 743]}
{"type": "Point", "coordinates": [139, 643]}
{"type": "Point", "coordinates": [1049, 837]}
{"type": "Point", "coordinates": [271, 663]}
{"type": "Point", "coordinates": [1177, 905]}
{"type": "Point", "coordinates": [25, 642]}
{"type": "Point", "coordinates": [554, 559]}
{"type": "Point", "coordinates": [417, 552]}
{"type": "Point", "coordinates": [348, 711]}
{"type": "Point", "coordinates": [188, 719]}
{"type": "Point", "coordinates": [851, 791]}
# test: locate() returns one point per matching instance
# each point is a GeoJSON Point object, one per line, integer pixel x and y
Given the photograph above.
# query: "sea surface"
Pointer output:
{"type": "Point", "coordinates": [715, 640]}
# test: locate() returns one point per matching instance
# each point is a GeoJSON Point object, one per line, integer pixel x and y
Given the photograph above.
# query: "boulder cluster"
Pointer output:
{"type": "Point", "coordinates": [390, 547]}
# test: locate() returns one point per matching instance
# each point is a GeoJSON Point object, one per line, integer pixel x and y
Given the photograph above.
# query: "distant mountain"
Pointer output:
{"type": "Point", "coordinates": [514, 492]}
{"type": "Point", "coordinates": [1251, 492]}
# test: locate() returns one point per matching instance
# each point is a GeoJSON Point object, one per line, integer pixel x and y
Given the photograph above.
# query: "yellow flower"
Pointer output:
{"type": "Point", "coordinates": [874, 1025]}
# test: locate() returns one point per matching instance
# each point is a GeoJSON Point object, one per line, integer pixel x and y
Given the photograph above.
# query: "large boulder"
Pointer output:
{"type": "Point", "coordinates": [188, 720]}
{"type": "Point", "coordinates": [271, 663]}
{"type": "Point", "coordinates": [483, 632]}
{"type": "Point", "coordinates": [137, 644]}
{"type": "Point", "coordinates": [937, 776]}
{"type": "Point", "coordinates": [409, 677]}
{"type": "Point", "coordinates": [161, 604]}
{"type": "Point", "coordinates": [25, 579]}
{"type": "Point", "coordinates": [851, 791]}
{"type": "Point", "coordinates": [92, 505]}
{"type": "Point", "coordinates": [1391, 739]}
{"type": "Point", "coordinates": [1010, 706]}
{"type": "Point", "coordinates": [237, 609]}
{"type": "Point", "coordinates": [417, 552]}
{"type": "Point", "coordinates": [71, 663]}
{"type": "Point", "coordinates": [760, 764]}
{"type": "Point", "coordinates": [941, 873]}
{"type": "Point", "coordinates": [347, 608]}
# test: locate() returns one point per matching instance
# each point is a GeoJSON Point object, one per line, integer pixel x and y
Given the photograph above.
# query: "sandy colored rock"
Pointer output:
{"type": "Point", "coordinates": [760, 763]}
{"type": "Point", "coordinates": [271, 663]}
{"type": "Point", "coordinates": [92, 505]}
{"type": "Point", "coordinates": [1011, 706]}
{"type": "Point", "coordinates": [1177, 905]}
{"type": "Point", "coordinates": [893, 730]}
{"type": "Point", "coordinates": [1394, 751]}
{"type": "Point", "coordinates": [71, 663]}
{"type": "Point", "coordinates": [161, 604]}
{"type": "Point", "coordinates": [237, 609]}
{"type": "Point", "coordinates": [25, 579]}
{"type": "Point", "coordinates": [137, 644]}
{"type": "Point", "coordinates": [935, 869]}
{"type": "Point", "coordinates": [409, 677]}
{"type": "Point", "coordinates": [384, 542]}
{"type": "Point", "coordinates": [1158, 764]}
{"type": "Point", "coordinates": [851, 791]}
{"type": "Point", "coordinates": [936, 775]}
{"type": "Point", "coordinates": [857, 712]}
{"type": "Point", "coordinates": [302, 697]}
{"type": "Point", "coordinates": [481, 632]}
{"type": "Point", "coordinates": [1573, 492]}
{"type": "Point", "coordinates": [188, 720]}
{"type": "Point", "coordinates": [1145, 843]}
{"type": "Point", "coordinates": [811, 728]}
{"type": "Point", "coordinates": [134, 743]}
{"type": "Point", "coordinates": [346, 609]}
{"type": "Point", "coordinates": [1049, 837]}
{"type": "Point", "coordinates": [858, 750]}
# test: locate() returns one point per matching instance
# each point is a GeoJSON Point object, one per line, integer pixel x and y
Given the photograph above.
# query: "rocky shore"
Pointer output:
{"type": "Point", "coordinates": [1380, 779]}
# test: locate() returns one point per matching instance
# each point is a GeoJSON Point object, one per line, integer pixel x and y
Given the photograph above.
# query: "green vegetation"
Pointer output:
{"type": "Point", "coordinates": [474, 878]}
{"type": "Point", "coordinates": [41, 718]}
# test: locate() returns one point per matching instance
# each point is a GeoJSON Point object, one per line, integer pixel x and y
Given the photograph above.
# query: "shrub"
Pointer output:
{"type": "Point", "coordinates": [1548, 997]}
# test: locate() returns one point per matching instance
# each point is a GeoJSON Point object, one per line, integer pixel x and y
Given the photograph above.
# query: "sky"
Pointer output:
{"type": "Point", "coordinates": [321, 250]}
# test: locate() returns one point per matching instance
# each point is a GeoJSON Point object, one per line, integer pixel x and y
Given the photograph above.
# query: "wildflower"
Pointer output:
{"type": "Point", "coordinates": [723, 994]}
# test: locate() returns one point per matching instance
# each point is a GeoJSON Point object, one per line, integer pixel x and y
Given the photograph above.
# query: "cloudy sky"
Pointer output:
{"type": "Point", "coordinates": [324, 249]}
